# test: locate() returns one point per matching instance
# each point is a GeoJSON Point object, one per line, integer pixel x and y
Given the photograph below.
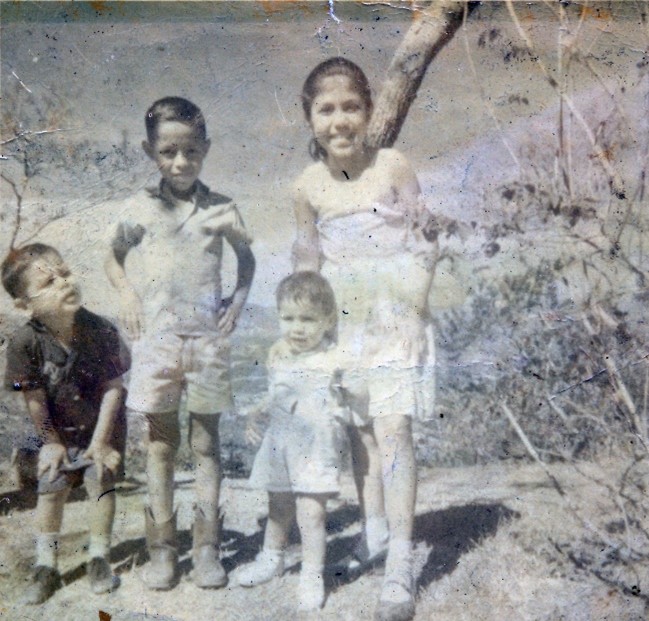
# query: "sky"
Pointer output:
{"type": "Point", "coordinates": [244, 64]}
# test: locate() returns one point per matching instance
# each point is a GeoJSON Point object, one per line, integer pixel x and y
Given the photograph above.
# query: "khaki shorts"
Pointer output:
{"type": "Point", "coordinates": [167, 364]}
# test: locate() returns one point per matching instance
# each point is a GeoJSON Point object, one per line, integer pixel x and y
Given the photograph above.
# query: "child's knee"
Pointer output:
{"type": "Point", "coordinates": [97, 485]}
{"type": "Point", "coordinates": [162, 451]}
{"type": "Point", "coordinates": [395, 429]}
{"type": "Point", "coordinates": [204, 435]}
{"type": "Point", "coordinates": [311, 510]}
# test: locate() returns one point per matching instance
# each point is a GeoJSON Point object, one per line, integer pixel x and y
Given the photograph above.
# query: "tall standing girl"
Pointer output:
{"type": "Point", "coordinates": [361, 221]}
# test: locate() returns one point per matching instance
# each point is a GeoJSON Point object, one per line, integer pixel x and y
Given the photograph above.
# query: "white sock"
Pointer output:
{"type": "Point", "coordinates": [99, 546]}
{"type": "Point", "coordinates": [47, 548]}
{"type": "Point", "coordinates": [399, 553]}
{"type": "Point", "coordinates": [377, 533]}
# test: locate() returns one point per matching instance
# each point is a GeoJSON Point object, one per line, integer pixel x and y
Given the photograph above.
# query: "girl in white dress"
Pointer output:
{"type": "Point", "coordinates": [362, 223]}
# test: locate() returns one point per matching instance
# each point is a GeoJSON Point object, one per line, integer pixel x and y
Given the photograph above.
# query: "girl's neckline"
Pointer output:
{"type": "Point", "coordinates": [352, 170]}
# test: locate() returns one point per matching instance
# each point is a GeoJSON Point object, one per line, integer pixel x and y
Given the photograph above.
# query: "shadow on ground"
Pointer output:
{"type": "Point", "coordinates": [448, 533]}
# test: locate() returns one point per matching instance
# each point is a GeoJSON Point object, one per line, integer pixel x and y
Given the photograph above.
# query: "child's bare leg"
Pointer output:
{"type": "Point", "coordinates": [366, 465]}
{"type": "Point", "coordinates": [49, 517]}
{"type": "Point", "coordinates": [204, 441]}
{"type": "Point", "coordinates": [102, 515]}
{"type": "Point", "coordinates": [311, 515]}
{"type": "Point", "coordinates": [270, 561]}
{"type": "Point", "coordinates": [164, 439]}
{"type": "Point", "coordinates": [394, 438]}
{"type": "Point", "coordinates": [160, 474]}
{"type": "Point", "coordinates": [281, 513]}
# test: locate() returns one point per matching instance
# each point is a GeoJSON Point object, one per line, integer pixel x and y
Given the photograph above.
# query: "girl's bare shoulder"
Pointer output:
{"type": "Point", "coordinates": [393, 159]}
{"type": "Point", "coordinates": [312, 175]}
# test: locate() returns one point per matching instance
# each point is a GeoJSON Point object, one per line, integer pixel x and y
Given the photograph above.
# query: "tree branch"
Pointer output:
{"type": "Point", "coordinates": [434, 27]}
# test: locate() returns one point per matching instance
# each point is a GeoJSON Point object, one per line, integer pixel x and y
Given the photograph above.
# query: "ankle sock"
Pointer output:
{"type": "Point", "coordinates": [99, 546]}
{"type": "Point", "coordinates": [377, 534]}
{"type": "Point", "coordinates": [47, 548]}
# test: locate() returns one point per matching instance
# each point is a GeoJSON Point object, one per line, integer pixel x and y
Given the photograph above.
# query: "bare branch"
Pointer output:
{"type": "Point", "coordinates": [27, 134]}
{"type": "Point", "coordinates": [487, 100]}
{"type": "Point", "coordinates": [19, 205]}
{"type": "Point", "coordinates": [555, 482]}
{"type": "Point", "coordinates": [600, 154]}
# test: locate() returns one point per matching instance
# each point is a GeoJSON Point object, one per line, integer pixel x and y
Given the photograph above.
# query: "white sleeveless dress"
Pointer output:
{"type": "Point", "coordinates": [379, 265]}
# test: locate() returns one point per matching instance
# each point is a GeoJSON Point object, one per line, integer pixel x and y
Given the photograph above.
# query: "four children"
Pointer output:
{"type": "Point", "coordinates": [362, 210]}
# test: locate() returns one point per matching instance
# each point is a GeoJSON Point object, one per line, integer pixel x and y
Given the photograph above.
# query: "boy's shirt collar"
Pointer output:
{"type": "Point", "coordinates": [39, 326]}
{"type": "Point", "coordinates": [200, 196]}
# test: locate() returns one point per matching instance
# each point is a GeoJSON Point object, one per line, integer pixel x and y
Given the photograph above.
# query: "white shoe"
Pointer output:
{"type": "Point", "coordinates": [397, 601]}
{"type": "Point", "coordinates": [267, 565]}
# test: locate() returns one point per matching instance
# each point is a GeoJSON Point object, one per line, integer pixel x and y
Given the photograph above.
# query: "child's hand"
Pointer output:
{"type": "Point", "coordinates": [256, 415]}
{"type": "Point", "coordinates": [51, 457]}
{"type": "Point", "coordinates": [130, 314]}
{"type": "Point", "coordinates": [226, 318]}
{"type": "Point", "coordinates": [104, 456]}
{"type": "Point", "coordinates": [255, 423]}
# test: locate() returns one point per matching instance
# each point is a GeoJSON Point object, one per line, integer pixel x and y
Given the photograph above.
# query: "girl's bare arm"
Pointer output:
{"type": "Point", "coordinates": [306, 248]}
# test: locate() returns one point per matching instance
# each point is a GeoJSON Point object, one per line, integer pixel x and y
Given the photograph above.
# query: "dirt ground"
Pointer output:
{"type": "Point", "coordinates": [484, 541]}
{"type": "Point", "coordinates": [489, 539]}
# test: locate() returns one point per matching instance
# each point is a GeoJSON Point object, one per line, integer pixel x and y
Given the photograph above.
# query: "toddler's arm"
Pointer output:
{"type": "Point", "coordinates": [100, 449]}
{"type": "Point", "coordinates": [130, 303]}
{"type": "Point", "coordinates": [52, 454]}
{"type": "Point", "coordinates": [256, 416]}
{"type": "Point", "coordinates": [233, 306]}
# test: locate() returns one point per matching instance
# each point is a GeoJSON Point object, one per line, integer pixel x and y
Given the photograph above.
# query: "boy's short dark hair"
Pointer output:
{"type": "Point", "coordinates": [174, 109]}
{"type": "Point", "coordinates": [308, 287]}
{"type": "Point", "coordinates": [17, 261]}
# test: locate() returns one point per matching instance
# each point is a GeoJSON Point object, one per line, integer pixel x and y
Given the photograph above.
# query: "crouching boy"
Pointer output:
{"type": "Point", "coordinates": [68, 364]}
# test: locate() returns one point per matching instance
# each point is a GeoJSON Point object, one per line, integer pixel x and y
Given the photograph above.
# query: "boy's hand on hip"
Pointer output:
{"type": "Point", "coordinates": [51, 457]}
{"type": "Point", "coordinates": [131, 314]}
{"type": "Point", "coordinates": [104, 456]}
{"type": "Point", "coordinates": [226, 320]}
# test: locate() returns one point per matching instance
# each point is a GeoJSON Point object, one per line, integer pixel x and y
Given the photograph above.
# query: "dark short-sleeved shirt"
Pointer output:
{"type": "Point", "coordinates": [73, 380]}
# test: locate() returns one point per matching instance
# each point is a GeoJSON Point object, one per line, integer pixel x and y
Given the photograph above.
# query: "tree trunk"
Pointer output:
{"type": "Point", "coordinates": [434, 27]}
